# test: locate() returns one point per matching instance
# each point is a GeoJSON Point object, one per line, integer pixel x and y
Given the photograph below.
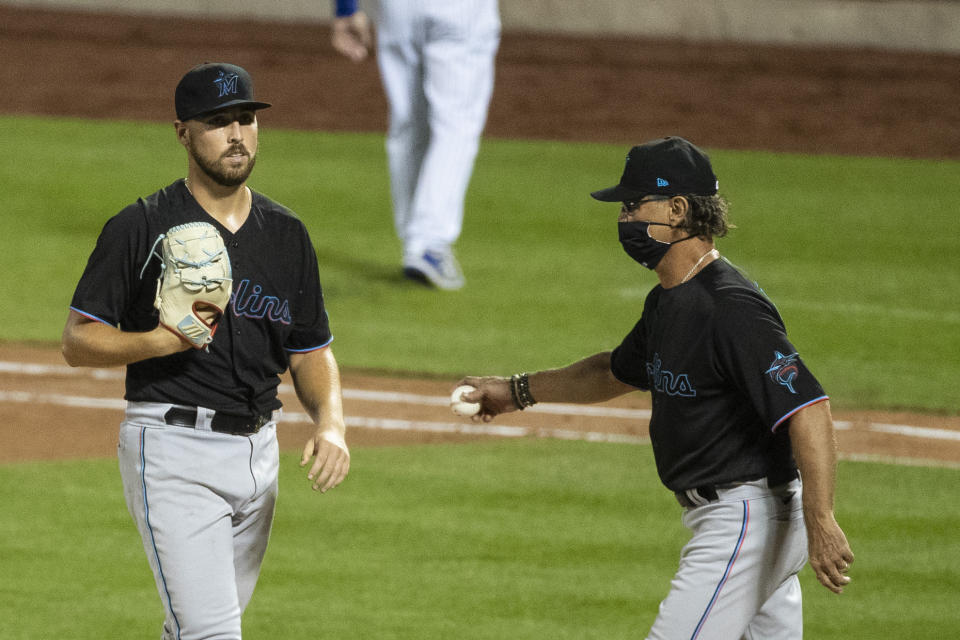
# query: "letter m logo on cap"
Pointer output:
{"type": "Point", "coordinates": [227, 83]}
{"type": "Point", "coordinates": [662, 183]}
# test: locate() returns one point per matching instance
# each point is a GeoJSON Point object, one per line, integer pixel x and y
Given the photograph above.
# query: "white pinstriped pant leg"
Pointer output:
{"type": "Point", "coordinates": [408, 135]}
{"type": "Point", "coordinates": [437, 65]}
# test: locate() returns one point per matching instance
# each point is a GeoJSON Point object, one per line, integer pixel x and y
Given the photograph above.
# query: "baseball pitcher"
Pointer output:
{"type": "Point", "coordinates": [207, 291]}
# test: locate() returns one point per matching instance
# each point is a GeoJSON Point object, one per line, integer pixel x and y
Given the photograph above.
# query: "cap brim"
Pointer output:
{"type": "Point", "coordinates": [619, 193]}
{"type": "Point", "coordinates": [226, 105]}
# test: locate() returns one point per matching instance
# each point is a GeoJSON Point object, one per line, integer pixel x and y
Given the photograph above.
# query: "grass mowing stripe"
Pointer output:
{"type": "Point", "coordinates": [523, 539]}
{"type": "Point", "coordinates": [873, 310]}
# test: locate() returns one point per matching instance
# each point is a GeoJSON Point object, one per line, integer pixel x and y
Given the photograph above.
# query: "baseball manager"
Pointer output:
{"type": "Point", "coordinates": [741, 430]}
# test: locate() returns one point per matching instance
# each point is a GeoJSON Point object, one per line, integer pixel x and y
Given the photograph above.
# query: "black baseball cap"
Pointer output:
{"type": "Point", "coordinates": [212, 86]}
{"type": "Point", "coordinates": [668, 166]}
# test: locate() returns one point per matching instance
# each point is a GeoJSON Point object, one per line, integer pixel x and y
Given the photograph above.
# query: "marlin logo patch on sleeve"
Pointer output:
{"type": "Point", "coordinates": [784, 370]}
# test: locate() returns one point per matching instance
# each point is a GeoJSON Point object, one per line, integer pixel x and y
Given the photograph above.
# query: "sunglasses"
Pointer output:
{"type": "Point", "coordinates": [632, 205]}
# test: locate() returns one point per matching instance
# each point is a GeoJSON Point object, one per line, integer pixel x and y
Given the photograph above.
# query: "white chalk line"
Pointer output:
{"type": "Point", "coordinates": [35, 369]}
{"type": "Point", "coordinates": [903, 430]}
{"type": "Point", "coordinates": [499, 430]}
{"type": "Point", "coordinates": [899, 460]}
{"type": "Point", "coordinates": [470, 428]}
{"type": "Point", "coordinates": [390, 397]}
{"type": "Point", "coordinates": [444, 401]}
{"type": "Point", "coordinates": [393, 424]}
{"type": "Point", "coordinates": [387, 424]}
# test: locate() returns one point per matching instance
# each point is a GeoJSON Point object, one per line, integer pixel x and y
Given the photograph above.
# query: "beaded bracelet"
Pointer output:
{"type": "Point", "coordinates": [520, 390]}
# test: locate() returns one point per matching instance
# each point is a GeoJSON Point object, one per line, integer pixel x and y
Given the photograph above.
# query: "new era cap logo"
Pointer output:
{"type": "Point", "coordinates": [227, 83]}
{"type": "Point", "coordinates": [662, 183]}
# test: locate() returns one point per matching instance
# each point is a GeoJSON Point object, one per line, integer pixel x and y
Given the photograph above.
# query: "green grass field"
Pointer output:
{"type": "Point", "coordinates": [522, 539]}
{"type": "Point", "coordinates": [528, 539]}
{"type": "Point", "coordinates": [856, 252]}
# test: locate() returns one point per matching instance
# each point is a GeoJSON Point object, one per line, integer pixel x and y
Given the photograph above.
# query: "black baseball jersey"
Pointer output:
{"type": "Point", "coordinates": [276, 307]}
{"type": "Point", "coordinates": [723, 377]}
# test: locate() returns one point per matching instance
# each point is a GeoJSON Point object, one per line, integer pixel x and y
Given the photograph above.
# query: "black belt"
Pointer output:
{"type": "Point", "coordinates": [700, 496]}
{"type": "Point", "coordinates": [697, 497]}
{"type": "Point", "coordinates": [221, 422]}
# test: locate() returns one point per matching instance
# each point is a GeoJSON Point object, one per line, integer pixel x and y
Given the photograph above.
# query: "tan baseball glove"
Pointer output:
{"type": "Point", "coordinates": [195, 282]}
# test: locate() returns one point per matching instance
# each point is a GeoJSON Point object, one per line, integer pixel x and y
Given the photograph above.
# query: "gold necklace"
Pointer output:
{"type": "Point", "coordinates": [713, 252]}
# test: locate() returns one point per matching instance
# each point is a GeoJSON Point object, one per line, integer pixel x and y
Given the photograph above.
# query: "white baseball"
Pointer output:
{"type": "Point", "coordinates": [460, 407]}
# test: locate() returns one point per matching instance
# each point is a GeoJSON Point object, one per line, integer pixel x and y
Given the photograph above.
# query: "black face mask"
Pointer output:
{"type": "Point", "coordinates": [636, 241]}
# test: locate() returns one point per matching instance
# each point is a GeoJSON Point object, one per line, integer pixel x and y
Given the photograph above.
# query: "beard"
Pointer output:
{"type": "Point", "coordinates": [218, 170]}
